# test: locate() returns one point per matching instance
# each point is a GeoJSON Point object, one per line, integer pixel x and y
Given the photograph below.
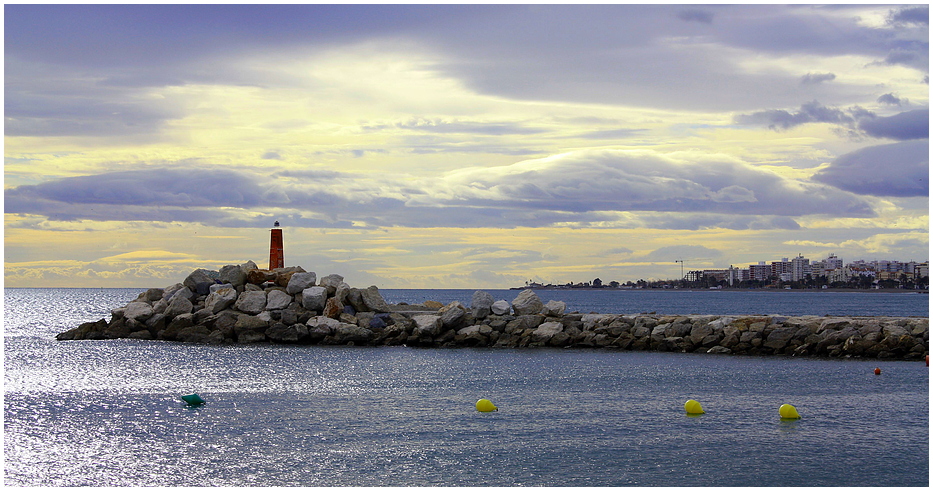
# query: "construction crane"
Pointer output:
{"type": "Point", "coordinates": [681, 261]}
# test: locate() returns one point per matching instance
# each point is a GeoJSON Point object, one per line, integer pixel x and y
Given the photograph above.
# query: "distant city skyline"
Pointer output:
{"type": "Point", "coordinates": [768, 263]}
{"type": "Point", "coordinates": [459, 146]}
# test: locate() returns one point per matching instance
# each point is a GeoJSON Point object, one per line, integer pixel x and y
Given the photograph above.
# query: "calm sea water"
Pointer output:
{"type": "Point", "coordinates": [107, 413]}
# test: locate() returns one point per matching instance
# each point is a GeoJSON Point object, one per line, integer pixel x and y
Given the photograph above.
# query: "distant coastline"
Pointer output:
{"type": "Point", "coordinates": [815, 290]}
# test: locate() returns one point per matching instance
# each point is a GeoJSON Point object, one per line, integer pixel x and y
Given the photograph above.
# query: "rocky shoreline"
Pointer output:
{"type": "Point", "coordinates": [244, 304]}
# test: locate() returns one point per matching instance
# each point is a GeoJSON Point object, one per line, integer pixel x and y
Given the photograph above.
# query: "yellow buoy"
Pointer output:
{"type": "Point", "coordinates": [485, 406]}
{"type": "Point", "coordinates": [693, 407]}
{"type": "Point", "coordinates": [788, 412]}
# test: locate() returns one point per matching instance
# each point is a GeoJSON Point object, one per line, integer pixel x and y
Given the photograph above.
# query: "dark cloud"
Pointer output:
{"type": "Point", "coordinates": [810, 112]}
{"type": "Point", "coordinates": [607, 180]}
{"type": "Point", "coordinates": [919, 15]}
{"type": "Point", "coordinates": [909, 125]}
{"type": "Point", "coordinates": [272, 155]}
{"type": "Point", "coordinates": [580, 53]}
{"type": "Point", "coordinates": [817, 78]}
{"type": "Point", "coordinates": [898, 169]}
{"type": "Point", "coordinates": [604, 188]}
{"type": "Point", "coordinates": [891, 100]}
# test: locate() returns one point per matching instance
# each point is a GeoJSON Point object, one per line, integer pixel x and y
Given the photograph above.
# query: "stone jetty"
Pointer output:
{"type": "Point", "coordinates": [244, 304]}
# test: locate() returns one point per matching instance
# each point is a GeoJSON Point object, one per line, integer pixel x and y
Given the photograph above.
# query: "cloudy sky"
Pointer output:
{"type": "Point", "coordinates": [472, 146]}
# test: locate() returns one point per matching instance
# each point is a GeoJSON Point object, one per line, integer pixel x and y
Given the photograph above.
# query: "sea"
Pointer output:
{"type": "Point", "coordinates": [109, 413]}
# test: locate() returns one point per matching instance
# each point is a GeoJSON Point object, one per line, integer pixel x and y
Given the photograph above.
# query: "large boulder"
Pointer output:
{"type": "Point", "coordinates": [277, 300]}
{"type": "Point", "coordinates": [251, 302]}
{"type": "Point", "coordinates": [314, 298]}
{"type": "Point", "coordinates": [554, 308]}
{"type": "Point", "coordinates": [501, 307]}
{"type": "Point", "coordinates": [427, 324]}
{"type": "Point", "coordinates": [200, 281]}
{"type": "Point", "coordinates": [779, 337]}
{"type": "Point", "coordinates": [452, 315]}
{"type": "Point", "coordinates": [179, 305]}
{"type": "Point", "coordinates": [373, 300]}
{"type": "Point", "coordinates": [299, 282]}
{"type": "Point", "coordinates": [259, 276]}
{"type": "Point", "coordinates": [349, 333]}
{"type": "Point", "coordinates": [220, 300]}
{"type": "Point", "coordinates": [527, 303]}
{"type": "Point", "coordinates": [281, 333]}
{"type": "Point", "coordinates": [232, 274]}
{"type": "Point", "coordinates": [331, 282]}
{"type": "Point", "coordinates": [481, 304]}
{"type": "Point", "coordinates": [138, 311]}
{"type": "Point", "coordinates": [546, 331]}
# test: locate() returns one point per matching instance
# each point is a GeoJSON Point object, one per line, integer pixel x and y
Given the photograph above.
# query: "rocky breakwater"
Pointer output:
{"type": "Point", "coordinates": [244, 304]}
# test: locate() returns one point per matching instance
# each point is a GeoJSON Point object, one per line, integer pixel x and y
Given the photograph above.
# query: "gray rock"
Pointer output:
{"type": "Point", "coordinates": [217, 286]}
{"type": "Point", "coordinates": [277, 300]}
{"type": "Point", "coordinates": [527, 303]}
{"type": "Point", "coordinates": [314, 298]}
{"type": "Point", "coordinates": [249, 337]}
{"type": "Point", "coordinates": [331, 282]}
{"type": "Point", "coordinates": [546, 331]}
{"type": "Point", "coordinates": [138, 311]}
{"type": "Point", "coordinates": [779, 337]}
{"type": "Point", "coordinates": [251, 302]}
{"type": "Point", "coordinates": [179, 305]}
{"type": "Point", "coordinates": [246, 323]}
{"type": "Point", "coordinates": [299, 282]}
{"type": "Point", "coordinates": [719, 350]}
{"type": "Point", "coordinates": [151, 295]}
{"type": "Point", "coordinates": [168, 292]}
{"type": "Point", "coordinates": [220, 300]}
{"type": "Point", "coordinates": [193, 334]}
{"type": "Point", "coordinates": [373, 300]}
{"type": "Point", "coordinates": [501, 307]}
{"type": "Point", "coordinates": [350, 333]}
{"type": "Point", "coordinates": [341, 293]}
{"type": "Point", "coordinates": [286, 334]}
{"type": "Point", "coordinates": [554, 308]}
{"type": "Point", "coordinates": [427, 324]}
{"type": "Point", "coordinates": [200, 277]}
{"type": "Point", "coordinates": [452, 315]}
{"type": "Point", "coordinates": [699, 331]}
{"type": "Point", "coordinates": [232, 274]}
{"type": "Point", "coordinates": [481, 304]}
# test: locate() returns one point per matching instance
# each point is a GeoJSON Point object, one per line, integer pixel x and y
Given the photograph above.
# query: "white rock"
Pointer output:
{"type": "Point", "coordinates": [501, 307]}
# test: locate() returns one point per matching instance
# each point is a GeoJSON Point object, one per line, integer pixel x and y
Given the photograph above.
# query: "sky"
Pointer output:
{"type": "Point", "coordinates": [460, 146]}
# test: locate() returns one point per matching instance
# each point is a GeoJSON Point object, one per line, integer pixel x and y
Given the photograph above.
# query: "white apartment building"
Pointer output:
{"type": "Point", "coordinates": [799, 268]}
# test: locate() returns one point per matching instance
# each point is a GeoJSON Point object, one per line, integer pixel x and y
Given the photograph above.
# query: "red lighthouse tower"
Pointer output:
{"type": "Point", "coordinates": [276, 249]}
